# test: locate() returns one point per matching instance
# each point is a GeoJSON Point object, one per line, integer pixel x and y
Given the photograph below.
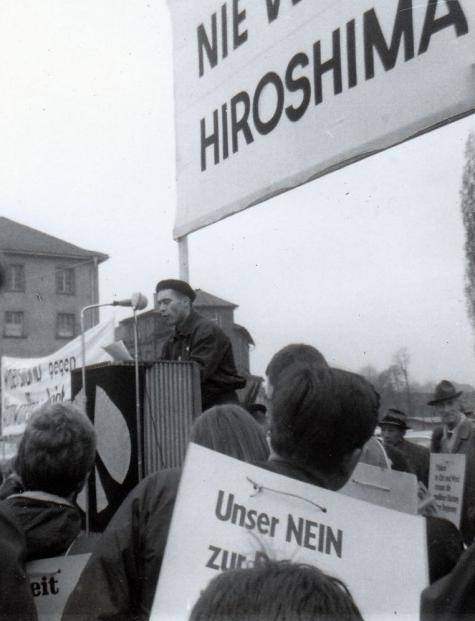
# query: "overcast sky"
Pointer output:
{"type": "Point", "coordinates": [359, 263]}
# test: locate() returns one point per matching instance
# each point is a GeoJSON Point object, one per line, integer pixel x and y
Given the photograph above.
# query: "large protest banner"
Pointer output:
{"type": "Point", "coordinates": [270, 94]}
{"type": "Point", "coordinates": [446, 481]}
{"type": "Point", "coordinates": [239, 511]}
{"type": "Point", "coordinates": [29, 382]}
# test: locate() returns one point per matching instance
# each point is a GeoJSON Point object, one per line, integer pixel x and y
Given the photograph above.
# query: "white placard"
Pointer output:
{"type": "Point", "coordinates": [270, 94]}
{"type": "Point", "coordinates": [446, 481]}
{"type": "Point", "coordinates": [387, 488]}
{"type": "Point", "coordinates": [52, 581]}
{"type": "Point", "coordinates": [227, 512]}
{"type": "Point", "coordinates": [27, 383]}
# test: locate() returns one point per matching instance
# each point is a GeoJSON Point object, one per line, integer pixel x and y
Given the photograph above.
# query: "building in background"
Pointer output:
{"type": "Point", "coordinates": [49, 281]}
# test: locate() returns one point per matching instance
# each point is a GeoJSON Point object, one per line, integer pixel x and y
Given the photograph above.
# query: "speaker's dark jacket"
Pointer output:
{"type": "Point", "coordinates": [202, 341]}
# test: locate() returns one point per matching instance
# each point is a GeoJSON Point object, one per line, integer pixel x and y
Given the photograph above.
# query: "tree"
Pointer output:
{"type": "Point", "coordinates": [467, 194]}
{"type": "Point", "coordinates": [401, 360]}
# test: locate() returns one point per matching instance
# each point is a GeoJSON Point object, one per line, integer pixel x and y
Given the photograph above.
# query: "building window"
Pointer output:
{"type": "Point", "coordinates": [16, 277]}
{"type": "Point", "coordinates": [14, 324]}
{"type": "Point", "coordinates": [65, 281]}
{"type": "Point", "coordinates": [65, 325]}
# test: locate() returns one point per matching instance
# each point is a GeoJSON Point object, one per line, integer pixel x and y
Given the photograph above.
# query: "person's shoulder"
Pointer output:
{"type": "Point", "coordinates": [416, 449]}
{"type": "Point", "coordinates": [203, 325]}
{"type": "Point", "coordinates": [157, 481]}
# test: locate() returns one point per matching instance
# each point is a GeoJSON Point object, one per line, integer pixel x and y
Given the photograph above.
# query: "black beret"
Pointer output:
{"type": "Point", "coordinates": [176, 285]}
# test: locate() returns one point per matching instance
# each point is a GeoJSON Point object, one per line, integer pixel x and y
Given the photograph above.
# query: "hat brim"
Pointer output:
{"type": "Point", "coordinates": [394, 424]}
{"type": "Point", "coordinates": [442, 399]}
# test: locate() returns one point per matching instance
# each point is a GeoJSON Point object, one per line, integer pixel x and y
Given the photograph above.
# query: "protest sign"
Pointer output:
{"type": "Point", "coordinates": [27, 383]}
{"type": "Point", "coordinates": [52, 581]}
{"type": "Point", "coordinates": [446, 481]}
{"type": "Point", "coordinates": [238, 511]}
{"type": "Point", "coordinates": [387, 488]}
{"type": "Point", "coordinates": [294, 89]}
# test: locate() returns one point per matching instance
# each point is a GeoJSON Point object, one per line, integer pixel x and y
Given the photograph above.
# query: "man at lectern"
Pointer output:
{"type": "Point", "coordinates": [200, 340]}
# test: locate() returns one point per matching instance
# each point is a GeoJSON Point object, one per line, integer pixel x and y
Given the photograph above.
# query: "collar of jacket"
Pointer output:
{"type": "Point", "coordinates": [45, 497]}
{"type": "Point", "coordinates": [185, 328]}
{"type": "Point", "coordinates": [298, 471]}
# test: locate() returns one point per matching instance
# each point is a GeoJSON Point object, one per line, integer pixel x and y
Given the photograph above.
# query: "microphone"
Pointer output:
{"type": "Point", "coordinates": [137, 301]}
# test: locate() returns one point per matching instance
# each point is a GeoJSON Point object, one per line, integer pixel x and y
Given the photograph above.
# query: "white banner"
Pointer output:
{"type": "Point", "coordinates": [270, 94]}
{"type": "Point", "coordinates": [27, 383]}
{"type": "Point", "coordinates": [238, 511]}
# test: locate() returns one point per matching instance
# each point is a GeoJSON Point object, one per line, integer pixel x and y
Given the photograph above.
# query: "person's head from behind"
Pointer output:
{"type": "Point", "coordinates": [277, 590]}
{"type": "Point", "coordinates": [288, 356]}
{"type": "Point", "coordinates": [321, 418]}
{"type": "Point", "coordinates": [230, 430]}
{"type": "Point", "coordinates": [57, 450]}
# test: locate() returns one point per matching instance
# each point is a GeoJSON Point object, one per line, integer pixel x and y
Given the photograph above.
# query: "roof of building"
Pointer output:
{"type": "Point", "coordinates": [21, 239]}
{"type": "Point", "coordinates": [245, 332]}
{"type": "Point", "coordinates": [203, 298]}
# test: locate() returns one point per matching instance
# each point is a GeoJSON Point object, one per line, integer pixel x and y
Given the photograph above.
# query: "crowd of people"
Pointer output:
{"type": "Point", "coordinates": [319, 424]}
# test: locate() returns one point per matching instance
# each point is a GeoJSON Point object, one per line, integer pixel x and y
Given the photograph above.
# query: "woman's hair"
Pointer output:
{"type": "Point", "coordinates": [320, 414]}
{"type": "Point", "coordinates": [232, 431]}
{"type": "Point", "coordinates": [277, 590]}
{"type": "Point", "coordinates": [57, 450]}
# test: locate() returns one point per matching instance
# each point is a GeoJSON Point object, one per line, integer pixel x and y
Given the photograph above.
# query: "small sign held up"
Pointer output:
{"type": "Point", "coordinates": [52, 581]}
{"type": "Point", "coordinates": [446, 481]}
{"type": "Point", "coordinates": [244, 511]}
{"type": "Point", "coordinates": [387, 488]}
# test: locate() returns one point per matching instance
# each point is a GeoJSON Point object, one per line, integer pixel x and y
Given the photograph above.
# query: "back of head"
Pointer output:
{"type": "Point", "coordinates": [320, 415]}
{"type": "Point", "coordinates": [281, 591]}
{"type": "Point", "coordinates": [230, 430]}
{"type": "Point", "coordinates": [290, 355]}
{"type": "Point", "coordinates": [57, 450]}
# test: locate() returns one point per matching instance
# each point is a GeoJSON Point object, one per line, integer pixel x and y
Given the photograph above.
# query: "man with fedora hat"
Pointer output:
{"type": "Point", "coordinates": [393, 428]}
{"type": "Point", "coordinates": [200, 340]}
{"type": "Point", "coordinates": [456, 435]}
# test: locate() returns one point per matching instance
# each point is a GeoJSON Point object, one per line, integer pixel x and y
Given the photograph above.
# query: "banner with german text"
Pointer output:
{"type": "Point", "coordinates": [270, 94]}
{"type": "Point", "coordinates": [27, 383]}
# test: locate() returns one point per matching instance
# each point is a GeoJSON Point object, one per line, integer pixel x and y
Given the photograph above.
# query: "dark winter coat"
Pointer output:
{"type": "Point", "coordinates": [50, 523]}
{"type": "Point", "coordinates": [120, 579]}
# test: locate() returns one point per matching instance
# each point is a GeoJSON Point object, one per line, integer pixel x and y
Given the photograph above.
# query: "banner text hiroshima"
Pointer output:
{"type": "Point", "coordinates": [313, 73]}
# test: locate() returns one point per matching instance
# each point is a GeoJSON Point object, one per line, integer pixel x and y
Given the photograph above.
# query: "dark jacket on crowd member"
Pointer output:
{"type": "Point", "coordinates": [399, 461]}
{"type": "Point", "coordinates": [452, 598]}
{"type": "Point", "coordinates": [465, 444]}
{"type": "Point", "coordinates": [202, 341]}
{"type": "Point", "coordinates": [16, 600]}
{"type": "Point", "coordinates": [418, 458]}
{"type": "Point", "coordinates": [50, 523]}
{"type": "Point", "coordinates": [444, 543]}
{"type": "Point", "coordinates": [120, 579]}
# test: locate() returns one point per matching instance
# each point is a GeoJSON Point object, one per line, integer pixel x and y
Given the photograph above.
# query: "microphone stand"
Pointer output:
{"type": "Point", "coordinates": [137, 400]}
{"type": "Point", "coordinates": [83, 376]}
